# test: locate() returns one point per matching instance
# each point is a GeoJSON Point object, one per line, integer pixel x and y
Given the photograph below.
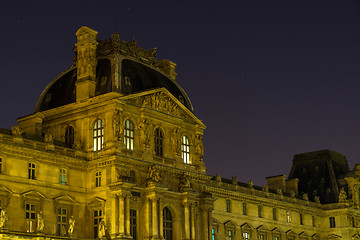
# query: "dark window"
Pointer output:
{"type": "Point", "coordinates": [259, 211]}
{"type": "Point", "coordinates": [274, 214]}
{"type": "Point", "coordinates": [61, 221]}
{"type": "Point", "coordinates": [31, 170]}
{"type": "Point", "coordinates": [313, 221]}
{"type": "Point", "coordinates": [97, 218]}
{"type": "Point", "coordinates": [129, 135]}
{"type": "Point", "coordinates": [228, 205]}
{"type": "Point", "coordinates": [132, 176]}
{"type": "Point", "coordinates": [69, 136]}
{"type": "Point", "coordinates": [30, 216]}
{"type": "Point", "coordinates": [1, 165]}
{"type": "Point", "coordinates": [133, 225]}
{"type": "Point", "coordinates": [98, 135]}
{"type": "Point", "coordinates": [332, 222]}
{"type": "Point", "coordinates": [167, 224]}
{"type": "Point", "coordinates": [97, 179]}
{"type": "Point", "coordinates": [244, 208]}
{"type": "Point", "coordinates": [301, 219]}
{"type": "Point", "coordinates": [158, 142]}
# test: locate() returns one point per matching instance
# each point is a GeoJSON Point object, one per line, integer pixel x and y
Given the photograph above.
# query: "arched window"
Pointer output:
{"type": "Point", "coordinates": [129, 135]}
{"type": "Point", "coordinates": [158, 142]}
{"type": "Point", "coordinates": [167, 224]}
{"type": "Point", "coordinates": [69, 136]}
{"type": "Point", "coordinates": [185, 149]}
{"type": "Point", "coordinates": [98, 134]}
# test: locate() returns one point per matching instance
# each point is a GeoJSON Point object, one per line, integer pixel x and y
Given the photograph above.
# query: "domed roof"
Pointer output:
{"type": "Point", "coordinates": [135, 77]}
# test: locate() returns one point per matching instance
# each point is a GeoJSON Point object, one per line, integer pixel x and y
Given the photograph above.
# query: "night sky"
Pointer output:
{"type": "Point", "coordinates": [269, 78]}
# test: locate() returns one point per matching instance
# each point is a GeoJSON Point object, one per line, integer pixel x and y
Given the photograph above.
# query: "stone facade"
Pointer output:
{"type": "Point", "coordinates": [111, 152]}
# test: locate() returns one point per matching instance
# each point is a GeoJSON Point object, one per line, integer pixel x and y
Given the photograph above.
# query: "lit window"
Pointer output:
{"type": "Point", "coordinates": [61, 221]}
{"type": "Point", "coordinates": [288, 216]}
{"type": "Point", "coordinates": [274, 214]}
{"type": "Point", "coordinates": [332, 222]}
{"type": "Point", "coordinates": [301, 219]}
{"type": "Point", "coordinates": [97, 179]}
{"type": "Point", "coordinates": [259, 211]}
{"type": "Point", "coordinates": [98, 135]}
{"type": "Point", "coordinates": [246, 236]}
{"type": "Point", "coordinates": [229, 234]}
{"type": "Point", "coordinates": [63, 176]}
{"type": "Point", "coordinates": [276, 238]}
{"type": "Point", "coordinates": [69, 136]}
{"type": "Point", "coordinates": [158, 142]}
{"type": "Point", "coordinates": [227, 205]}
{"type": "Point", "coordinates": [213, 236]}
{"type": "Point", "coordinates": [31, 169]}
{"type": "Point", "coordinates": [167, 224]}
{"type": "Point", "coordinates": [129, 135]}
{"type": "Point", "coordinates": [133, 225]}
{"type": "Point", "coordinates": [97, 219]}
{"type": "Point", "coordinates": [185, 149]}
{"type": "Point", "coordinates": [261, 237]}
{"type": "Point", "coordinates": [30, 216]}
{"type": "Point", "coordinates": [244, 208]}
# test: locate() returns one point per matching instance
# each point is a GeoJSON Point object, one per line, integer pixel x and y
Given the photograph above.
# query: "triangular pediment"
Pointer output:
{"type": "Point", "coordinates": [290, 233]}
{"type": "Point", "coordinates": [33, 195]}
{"type": "Point", "coordinates": [262, 228]}
{"type": "Point", "coordinates": [4, 190]}
{"type": "Point", "coordinates": [230, 224]}
{"type": "Point", "coordinates": [276, 230]}
{"type": "Point", "coordinates": [333, 236]}
{"type": "Point", "coordinates": [303, 235]}
{"type": "Point", "coordinates": [96, 201]}
{"type": "Point", "coordinates": [246, 226]}
{"type": "Point", "coordinates": [163, 101]}
{"type": "Point", "coordinates": [64, 198]}
{"type": "Point", "coordinates": [215, 221]}
{"type": "Point", "coordinates": [315, 237]}
{"type": "Point", "coordinates": [356, 237]}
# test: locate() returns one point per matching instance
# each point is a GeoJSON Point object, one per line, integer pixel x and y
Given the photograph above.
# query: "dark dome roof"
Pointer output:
{"type": "Point", "coordinates": [135, 77]}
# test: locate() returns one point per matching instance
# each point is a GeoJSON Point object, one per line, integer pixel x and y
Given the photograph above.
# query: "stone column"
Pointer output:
{"type": "Point", "coordinates": [147, 222]}
{"type": "Point", "coordinates": [209, 222]}
{"type": "Point", "coordinates": [205, 224]}
{"type": "Point", "coordinates": [127, 215]}
{"type": "Point", "coordinates": [192, 220]}
{"type": "Point", "coordinates": [161, 227]}
{"type": "Point", "coordinates": [186, 220]}
{"type": "Point", "coordinates": [121, 215]}
{"type": "Point", "coordinates": [155, 220]}
{"type": "Point", "coordinates": [113, 215]}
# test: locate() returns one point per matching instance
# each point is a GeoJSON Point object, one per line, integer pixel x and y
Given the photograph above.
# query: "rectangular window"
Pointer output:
{"type": "Point", "coordinates": [61, 221]}
{"type": "Point", "coordinates": [274, 214]}
{"type": "Point", "coordinates": [97, 179]}
{"type": "Point", "coordinates": [301, 219]}
{"type": "Point", "coordinates": [31, 171]}
{"type": "Point", "coordinates": [353, 222]}
{"type": "Point", "coordinates": [246, 236]}
{"type": "Point", "coordinates": [229, 234]}
{"type": "Point", "coordinates": [133, 225]}
{"type": "Point", "coordinates": [244, 208]}
{"type": "Point", "coordinates": [313, 221]}
{"type": "Point", "coordinates": [30, 216]}
{"type": "Point", "coordinates": [332, 222]}
{"type": "Point", "coordinates": [228, 205]}
{"type": "Point", "coordinates": [97, 218]}
{"type": "Point", "coordinates": [276, 238]}
{"type": "Point", "coordinates": [62, 176]}
{"type": "Point", "coordinates": [260, 211]}
{"type": "Point", "coordinates": [213, 237]}
{"type": "Point", "coordinates": [261, 237]}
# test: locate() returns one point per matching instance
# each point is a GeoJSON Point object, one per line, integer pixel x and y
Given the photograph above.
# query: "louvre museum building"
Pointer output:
{"type": "Point", "coordinates": [114, 151]}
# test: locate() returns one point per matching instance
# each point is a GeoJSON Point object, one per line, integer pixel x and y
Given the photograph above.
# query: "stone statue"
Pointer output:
{"type": "Point", "coordinates": [199, 147]}
{"type": "Point", "coordinates": [153, 174]}
{"type": "Point", "coordinates": [292, 194]}
{"type": "Point", "coordinates": [71, 225]}
{"type": "Point", "coordinates": [3, 218]}
{"type": "Point", "coordinates": [234, 180]}
{"type": "Point", "coordinates": [40, 222]}
{"type": "Point", "coordinates": [16, 131]}
{"type": "Point", "coordinates": [117, 125]}
{"type": "Point", "coordinates": [265, 188]}
{"type": "Point", "coordinates": [317, 199]}
{"type": "Point", "coordinates": [77, 145]}
{"type": "Point", "coordinates": [102, 229]}
{"type": "Point", "coordinates": [218, 177]}
{"type": "Point", "coordinates": [48, 138]}
{"type": "Point", "coordinates": [342, 195]}
{"type": "Point", "coordinates": [279, 191]}
{"type": "Point", "coordinates": [184, 181]}
{"type": "Point", "coordinates": [305, 197]}
{"type": "Point", "coordinates": [175, 139]}
{"type": "Point", "coordinates": [251, 184]}
{"type": "Point", "coordinates": [144, 132]}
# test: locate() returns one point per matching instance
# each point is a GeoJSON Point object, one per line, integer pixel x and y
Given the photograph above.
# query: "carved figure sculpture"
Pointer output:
{"type": "Point", "coordinates": [175, 139]}
{"type": "Point", "coordinates": [117, 125]}
{"type": "Point", "coordinates": [305, 197]}
{"type": "Point", "coordinates": [144, 132]}
{"type": "Point", "coordinates": [199, 147]}
{"type": "Point", "coordinates": [251, 184]}
{"type": "Point", "coordinates": [184, 181]}
{"type": "Point", "coordinates": [16, 131]}
{"type": "Point", "coordinates": [153, 174]}
{"type": "Point", "coordinates": [40, 222]}
{"type": "Point", "coordinates": [71, 225]}
{"type": "Point", "coordinates": [3, 218]}
{"type": "Point", "coordinates": [48, 138]}
{"type": "Point", "coordinates": [265, 188]}
{"type": "Point", "coordinates": [342, 195]}
{"type": "Point", "coordinates": [102, 229]}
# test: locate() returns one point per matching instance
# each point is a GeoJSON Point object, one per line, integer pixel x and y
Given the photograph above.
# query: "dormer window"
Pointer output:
{"type": "Point", "coordinates": [185, 149]}
{"type": "Point", "coordinates": [129, 135]}
{"type": "Point", "coordinates": [98, 134]}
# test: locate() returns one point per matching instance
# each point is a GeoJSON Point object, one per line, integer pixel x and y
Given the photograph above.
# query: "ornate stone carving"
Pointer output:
{"type": "Point", "coordinates": [102, 229]}
{"type": "Point", "coordinates": [48, 138]}
{"type": "Point", "coordinates": [305, 197]}
{"type": "Point", "coordinates": [342, 195]}
{"type": "Point", "coordinates": [317, 199]}
{"type": "Point", "coordinates": [199, 147]}
{"type": "Point", "coordinates": [217, 177]}
{"type": "Point", "coordinates": [144, 132]}
{"type": "Point", "coordinates": [40, 222]}
{"type": "Point", "coordinates": [184, 182]}
{"type": "Point", "coordinates": [251, 184]}
{"type": "Point", "coordinates": [71, 225]}
{"type": "Point", "coordinates": [265, 188]}
{"type": "Point", "coordinates": [122, 175]}
{"type": "Point", "coordinates": [78, 145]}
{"type": "Point", "coordinates": [292, 194]}
{"type": "Point", "coordinates": [279, 191]}
{"type": "Point", "coordinates": [16, 131]}
{"type": "Point", "coordinates": [153, 174]}
{"type": "Point", "coordinates": [117, 128]}
{"type": "Point", "coordinates": [175, 141]}
{"type": "Point", "coordinates": [234, 180]}
{"type": "Point", "coordinates": [3, 218]}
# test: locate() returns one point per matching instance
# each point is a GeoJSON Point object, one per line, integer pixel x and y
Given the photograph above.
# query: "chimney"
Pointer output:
{"type": "Point", "coordinates": [86, 63]}
{"type": "Point", "coordinates": [168, 68]}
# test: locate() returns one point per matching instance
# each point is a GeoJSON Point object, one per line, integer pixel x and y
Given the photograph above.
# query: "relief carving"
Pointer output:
{"type": "Point", "coordinates": [184, 182]}
{"type": "Point", "coordinates": [40, 222]}
{"type": "Point", "coordinates": [48, 138]}
{"type": "Point", "coordinates": [153, 175]}
{"type": "Point", "coordinates": [16, 131]}
{"type": "Point", "coordinates": [199, 147]}
{"type": "Point", "coordinates": [175, 141]}
{"type": "Point", "coordinates": [144, 132]}
{"type": "Point", "coordinates": [342, 195]}
{"type": "Point", "coordinates": [117, 128]}
{"type": "Point", "coordinates": [3, 218]}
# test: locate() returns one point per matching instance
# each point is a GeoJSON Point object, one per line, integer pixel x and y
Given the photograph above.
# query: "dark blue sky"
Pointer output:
{"type": "Point", "coordinates": [269, 78]}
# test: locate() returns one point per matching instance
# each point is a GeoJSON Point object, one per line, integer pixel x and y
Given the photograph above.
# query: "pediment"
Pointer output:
{"type": "Point", "coordinates": [215, 221]}
{"type": "Point", "coordinates": [246, 226]}
{"type": "Point", "coordinates": [276, 230]}
{"type": "Point", "coordinates": [96, 201]}
{"type": "Point", "coordinates": [163, 101]}
{"type": "Point", "coordinates": [356, 236]}
{"type": "Point", "coordinates": [65, 198]}
{"type": "Point", "coordinates": [33, 195]}
{"type": "Point", "coordinates": [230, 224]}
{"type": "Point", "coordinates": [4, 190]}
{"type": "Point", "coordinates": [304, 235]}
{"type": "Point", "coordinates": [262, 228]}
{"type": "Point", "coordinates": [290, 233]}
{"type": "Point", "coordinates": [333, 236]}
{"type": "Point", "coordinates": [315, 237]}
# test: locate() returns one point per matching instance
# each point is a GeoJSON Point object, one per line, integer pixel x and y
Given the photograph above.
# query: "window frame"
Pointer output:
{"type": "Point", "coordinates": [98, 135]}
{"type": "Point", "coordinates": [133, 224]}
{"type": "Point", "coordinates": [129, 135]}
{"type": "Point", "coordinates": [69, 136]}
{"type": "Point", "coordinates": [98, 179]}
{"type": "Point", "coordinates": [159, 142]}
{"type": "Point", "coordinates": [332, 222]}
{"type": "Point", "coordinates": [185, 149]}
{"type": "Point", "coordinates": [63, 176]}
{"type": "Point", "coordinates": [32, 170]}
{"type": "Point", "coordinates": [30, 221]}
{"type": "Point", "coordinates": [168, 232]}
{"type": "Point", "coordinates": [61, 223]}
